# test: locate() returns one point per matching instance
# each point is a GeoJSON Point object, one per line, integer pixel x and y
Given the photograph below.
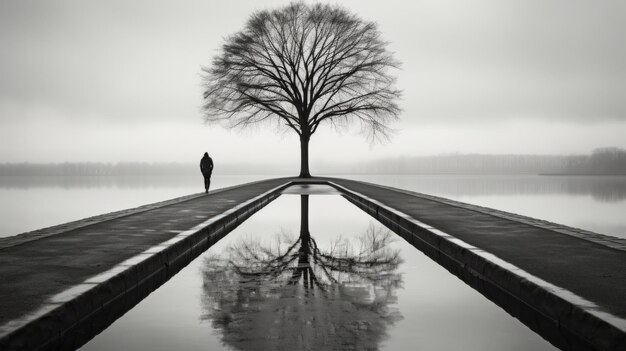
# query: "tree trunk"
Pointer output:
{"type": "Point", "coordinates": [304, 218]}
{"type": "Point", "coordinates": [304, 253]}
{"type": "Point", "coordinates": [304, 156]}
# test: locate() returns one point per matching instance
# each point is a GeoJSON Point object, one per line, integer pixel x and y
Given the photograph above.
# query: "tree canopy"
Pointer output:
{"type": "Point", "coordinates": [302, 66]}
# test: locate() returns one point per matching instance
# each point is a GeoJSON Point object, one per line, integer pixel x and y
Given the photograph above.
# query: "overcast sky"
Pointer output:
{"type": "Point", "coordinates": [119, 80]}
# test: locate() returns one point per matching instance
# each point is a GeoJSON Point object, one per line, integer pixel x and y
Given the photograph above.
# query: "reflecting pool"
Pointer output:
{"type": "Point", "coordinates": [313, 272]}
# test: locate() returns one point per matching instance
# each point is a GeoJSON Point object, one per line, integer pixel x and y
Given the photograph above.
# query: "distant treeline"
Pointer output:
{"type": "Point", "coordinates": [125, 169]}
{"type": "Point", "coordinates": [600, 161]}
{"type": "Point", "coordinates": [466, 164]}
{"type": "Point", "coordinates": [93, 169]}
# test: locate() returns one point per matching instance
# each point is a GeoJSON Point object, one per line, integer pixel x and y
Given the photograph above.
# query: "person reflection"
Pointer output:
{"type": "Point", "coordinates": [294, 295]}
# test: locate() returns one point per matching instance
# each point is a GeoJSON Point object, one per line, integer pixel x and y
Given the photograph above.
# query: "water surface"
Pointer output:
{"type": "Point", "coordinates": [314, 272]}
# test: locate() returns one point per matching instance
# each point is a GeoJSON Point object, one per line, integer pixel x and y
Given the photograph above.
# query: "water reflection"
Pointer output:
{"type": "Point", "coordinates": [293, 294]}
{"type": "Point", "coordinates": [600, 188]}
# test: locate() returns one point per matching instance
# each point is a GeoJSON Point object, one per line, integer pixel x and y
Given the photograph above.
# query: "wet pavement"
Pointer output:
{"type": "Point", "coordinates": [35, 270]}
{"type": "Point", "coordinates": [565, 285]}
{"type": "Point", "coordinates": [589, 269]}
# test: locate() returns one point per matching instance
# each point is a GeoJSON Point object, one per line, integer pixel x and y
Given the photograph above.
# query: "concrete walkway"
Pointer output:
{"type": "Point", "coordinates": [37, 266]}
{"type": "Point", "coordinates": [588, 269]}
{"type": "Point", "coordinates": [589, 272]}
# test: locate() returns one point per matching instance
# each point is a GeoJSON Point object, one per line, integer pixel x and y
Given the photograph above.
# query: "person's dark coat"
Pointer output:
{"type": "Point", "coordinates": [206, 165]}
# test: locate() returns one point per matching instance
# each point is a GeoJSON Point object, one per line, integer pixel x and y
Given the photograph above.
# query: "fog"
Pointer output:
{"type": "Point", "coordinates": [119, 81]}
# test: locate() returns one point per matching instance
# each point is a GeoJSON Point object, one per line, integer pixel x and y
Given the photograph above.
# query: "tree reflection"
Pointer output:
{"type": "Point", "coordinates": [293, 294]}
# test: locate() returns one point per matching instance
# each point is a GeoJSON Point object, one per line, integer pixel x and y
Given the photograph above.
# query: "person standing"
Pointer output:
{"type": "Point", "coordinates": [206, 167]}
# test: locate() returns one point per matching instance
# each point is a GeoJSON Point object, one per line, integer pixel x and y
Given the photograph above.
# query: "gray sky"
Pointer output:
{"type": "Point", "coordinates": [119, 80]}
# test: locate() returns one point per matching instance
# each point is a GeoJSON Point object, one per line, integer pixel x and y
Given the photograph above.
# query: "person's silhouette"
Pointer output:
{"type": "Point", "coordinates": [206, 167]}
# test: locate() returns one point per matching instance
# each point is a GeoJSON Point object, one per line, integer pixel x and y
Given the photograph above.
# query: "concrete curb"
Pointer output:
{"type": "Point", "coordinates": [566, 320]}
{"type": "Point", "coordinates": [71, 318]}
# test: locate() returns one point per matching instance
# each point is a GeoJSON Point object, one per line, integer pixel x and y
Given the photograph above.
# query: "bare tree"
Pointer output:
{"type": "Point", "coordinates": [301, 66]}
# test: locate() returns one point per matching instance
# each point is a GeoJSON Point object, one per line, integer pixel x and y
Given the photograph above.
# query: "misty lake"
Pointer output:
{"type": "Point", "coordinates": [595, 203]}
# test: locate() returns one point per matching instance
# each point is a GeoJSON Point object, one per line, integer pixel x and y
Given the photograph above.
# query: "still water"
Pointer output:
{"type": "Point", "coordinates": [595, 203]}
{"type": "Point", "coordinates": [314, 272]}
